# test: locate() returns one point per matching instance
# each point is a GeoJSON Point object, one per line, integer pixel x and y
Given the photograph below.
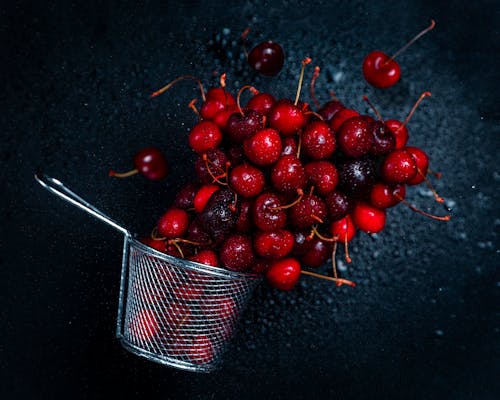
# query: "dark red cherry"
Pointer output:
{"type": "Point", "coordinates": [274, 245]}
{"type": "Point", "coordinates": [355, 138]}
{"type": "Point", "coordinates": [210, 165]}
{"type": "Point", "coordinates": [267, 214]}
{"type": "Point", "coordinates": [222, 117]}
{"type": "Point", "coordinates": [247, 180]}
{"type": "Point", "coordinates": [204, 136]}
{"type": "Point", "coordinates": [174, 223]}
{"type": "Point", "coordinates": [368, 218]}
{"type": "Point", "coordinates": [399, 131]}
{"type": "Point", "coordinates": [262, 103]}
{"type": "Point", "coordinates": [330, 109]}
{"type": "Point", "coordinates": [342, 116]}
{"type": "Point", "coordinates": [240, 127]}
{"type": "Point", "coordinates": [264, 147]}
{"type": "Point", "coordinates": [384, 196]}
{"type": "Point", "coordinates": [185, 196]}
{"type": "Point", "coordinates": [150, 162]}
{"type": "Point", "coordinates": [421, 162]}
{"type": "Point", "coordinates": [267, 58]}
{"type": "Point", "coordinates": [196, 232]}
{"type": "Point", "coordinates": [322, 175]}
{"type": "Point", "coordinates": [220, 215]}
{"type": "Point", "coordinates": [338, 205]}
{"type": "Point", "coordinates": [318, 141]}
{"type": "Point", "coordinates": [357, 176]}
{"type": "Point", "coordinates": [288, 174]}
{"type": "Point", "coordinates": [316, 254]}
{"type": "Point", "coordinates": [398, 167]}
{"type": "Point", "coordinates": [310, 210]}
{"type": "Point", "coordinates": [380, 70]}
{"type": "Point", "coordinates": [237, 253]}
{"type": "Point", "coordinates": [284, 274]}
{"type": "Point", "coordinates": [383, 139]}
{"type": "Point", "coordinates": [286, 118]}
{"type": "Point", "coordinates": [200, 350]}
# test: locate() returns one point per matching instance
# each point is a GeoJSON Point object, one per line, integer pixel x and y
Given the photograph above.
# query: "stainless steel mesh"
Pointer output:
{"type": "Point", "coordinates": [178, 312]}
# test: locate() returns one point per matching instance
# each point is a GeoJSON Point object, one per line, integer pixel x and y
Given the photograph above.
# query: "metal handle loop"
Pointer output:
{"type": "Point", "coordinates": [57, 187]}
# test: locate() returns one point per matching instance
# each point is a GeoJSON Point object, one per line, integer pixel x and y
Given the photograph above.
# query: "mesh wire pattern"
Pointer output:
{"type": "Point", "coordinates": [178, 312]}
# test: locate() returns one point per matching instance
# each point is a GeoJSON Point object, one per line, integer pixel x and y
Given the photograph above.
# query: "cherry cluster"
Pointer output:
{"type": "Point", "coordinates": [279, 186]}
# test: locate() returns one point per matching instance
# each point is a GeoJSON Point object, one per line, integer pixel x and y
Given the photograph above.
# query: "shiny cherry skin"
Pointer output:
{"type": "Point", "coordinates": [185, 197]}
{"type": "Point", "coordinates": [381, 71]}
{"type": "Point", "coordinates": [267, 58]}
{"type": "Point", "coordinates": [368, 218]}
{"type": "Point", "coordinates": [284, 274]}
{"type": "Point", "coordinates": [274, 245]}
{"type": "Point", "coordinates": [398, 167]}
{"type": "Point", "coordinates": [247, 180]}
{"type": "Point", "coordinates": [399, 131]}
{"type": "Point", "coordinates": [210, 164]}
{"type": "Point", "coordinates": [264, 147]}
{"type": "Point", "coordinates": [385, 196]}
{"type": "Point", "coordinates": [207, 257]}
{"type": "Point", "coordinates": [330, 109]}
{"type": "Point", "coordinates": [307, 211]}
{"type": "Point", "coordinates": [267, 214]}
{"type": "Point", "coordinates": [154, 244]}
{"type": "Point", "coordinates": [205, 136]}
{"type": "Point", "coordinates": [384, 140]}
{"type": "Point", "coordinates": [240, 127]}
{"type": "Point", "coordinates": [261, 102]}
{"type": "Point", "coordinates": [322, 175]}
{"type": "Point", "coordinates": [151, 162]}
{"type": "Point", "coordinates": [318, 140]}
{"type": "Point", "coordinates": [343, 229]}
{"type": "Point", "coordinates": [288, 174]}
{"type": "Point", "coordinates": [357, 176]}
{"type": "Point", "coordinates": [421, 162]}
{"type": "Point", "coordinates": [174, 223]}
{"type": "Point", "coordinates": [338, 205]}
{"type": "Point", "coordinates": [355, 138]}
{"type": "Point", "coordinates": [286, 118]}
{"type": "Point", "coordinates": [237, 253]}
{"type": "Point", "coordinates": [316, 253]}
{"type": "Point", "coordinates": [203, 195]}
{"type": "Point", "coordinates": [342, 116]}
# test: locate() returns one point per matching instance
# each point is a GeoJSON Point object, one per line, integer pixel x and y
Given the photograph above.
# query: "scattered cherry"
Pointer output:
{"type": "Point", "coordinates": [267, 58]}
{"type": "Point", "coordinates": [284, 274]}
{"type": "Point", "coordinates": [150, 162]}
{"type": "Point", "coordinates": [368, 218]}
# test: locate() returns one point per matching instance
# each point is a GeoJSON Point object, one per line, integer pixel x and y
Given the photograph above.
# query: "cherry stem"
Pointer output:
{"type": "Point", "coordinates": [379, 117]}
{"type": "Point", "coordinates": [154, 234]}
{"type": "Point", "coordinates": [311, 87]}
{"type": "Point", "coordinates": [333, 96]}
{"type": "Point", "coordinates": [300, 192]}
{"type": "Point", "coordinates": [417, 103]}
{"type": "Point", "coordinates": [348, 259]}
{"type": "Point", "coordinates": [232, 206]}
{"type": "Point", "coordinates": [249, 87]}
{"type": "Point", "coordinates": [334, 264]}
{"type": "Point", "coordinates": [181, 240]}
{"type": "Point", "coordinates": [244, 40]}
{"type": "Point", "coordinates": [180, 78]}
{"type": "Point", "coordinates": [123, 174]}
{"type": "Point", "coordinates": [315, 114]}
{"type": "Point", "coordinates": [214, 177]}
{"type": "Point", "coordinates": [299, 143]}
{"type": "Point", "coordinates": [223, 80]}
{"type": "Point", "coordinates": [418, 36]}
{"type": "Point", "coordinates": [178, 248]}
{"type": "Point", "coordinates": [324, 238]}
{"type": "Point", "coordinates": [438, 175]}
{"type": "Point", "coordinates": [437, 197]}
{"type": "Point", "coordinates": [305, 61]}
{"type": "Point", "coordinates": [192, 106]}
{"type": "Point", "coordinates": [413, 208]}
{"type": "Point", "coordinates": [316, 218]}
{"type": "Point", "coordinates": [338, 281]}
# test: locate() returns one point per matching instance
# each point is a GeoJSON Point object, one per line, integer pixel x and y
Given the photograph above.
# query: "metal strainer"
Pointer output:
{"type": "Point", "coordinates": [172, 311]}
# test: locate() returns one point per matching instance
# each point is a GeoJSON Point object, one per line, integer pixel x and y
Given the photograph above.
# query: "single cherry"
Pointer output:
{"type": "Point", "coordinates": [261, 102]}
{"type": "Point", "coordinates": [338, 205]}
{"type": "Point", "coordinates": [316, 253]}
{"type": "Point", "coordinates": [421, 162]}
{"type": "Point", "coordinates": [318, 141]}
{"type": "Point", "coordinates": [154, 244]}
{"type": "Point", "coordinates": [185, 197]}
{"type": "Point", "coordinates": [274, 245]}
{"type": "Point", "coordinates": [322, 175]}
{"type": "Point", "coordinates": [330, 109]}
{"type": "Point", "coordinates": [286, 117]}
{"type": "Point", "coordinates": [247, 180]}
{"type": "Point", "coordinates": [267, 58]}
{"type": "Point", "coordinates": [384, 196]}
{"type": "Point", "coordinates": [339, 118]}
{"type": "Point", "coordinates": [264, 147]}
{"type": "Point", "coordinates": [398, 167]}
{"type": "Point", "coordinates": [288, 174]}
{"type": "Point", "coordinates": [210, 167]}
{"type": "Point", "coordinates": [242, 126]}
{"type": "Point", "coordinates": [344, 229]}
{"type": "Point", "coordinates": [356, 176]}
{"type": "Point", "coordinates": [174, 223]}
{"type": "Point", "coordinates": [284, 274]}
{"type": "Point", "coordinates": [368, 218]}
{"type": "Point", "coordinates": [384, 140]}
{"type": "Point", "coordinates": [268, 214]}
{"type": "Point", "coordinates": [207, 257]}
{"type": "Point", "coordinates": [309, 210]}
{"type": "Point", "coordinates": [205, 136]}
{"type": "Point", "coordinates": [150, 162]}
{"type": "Point", "coordinates": [237, 253]}
{"type": "Point", "coordinates": [355, 138]}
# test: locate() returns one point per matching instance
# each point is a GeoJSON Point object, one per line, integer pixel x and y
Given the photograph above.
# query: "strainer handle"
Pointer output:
{"type": "Point", "coordinates": [57, 187]}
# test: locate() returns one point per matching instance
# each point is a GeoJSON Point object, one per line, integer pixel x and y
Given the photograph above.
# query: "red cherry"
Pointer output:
{"type": "Point", "coordinates": [399, 167]}
{"type": "Point", "coordinates": [338, 205]}
{"type": "Point", "coordinates": [144, 325]}
{"type": "Point", "coordinates": [237, 253]}
{"type": "Point", "coordinates": [316, 253]}
{"type": "Point", "coordinates": [222, 95]}
{"type": "Point", "coordinates": [310, 210]}
{"type": "Point", "coordinates": [288, 174]}
{"type": "Point", "coordinates": [318, 141]}
{"type": "Point", "coordinates": [322, 175]}
{"type": "Point", "coordinates": [185, 196]}
{"type": "Point", "coordinates": [211, 166]}
{"type": "Point", "coordinates": [342, 116]}
{"type": "Point", "coordinates": [210, 108]}
{"type": "Point", "coordinates": [242, 126]}
{"type": "Point", "coordinates": [154, 244]}
{"type": "Point", "coordinates": [247, 180]}
{"type": "Point", "coordinates": [384, 196]}
{"type": "Point", "coordinates": [222, 117]}
{"type": "Point", "coordinates": [207, 257]}
{"type": "Point", "coordinates": [268, 214]}
{"type": "Point", "coordinates": [368, 218]}
{"type": "Point", "coordinates": [344, 229]}
{"type": "Point", "coordinates": [330, 109]}
{"type": "Point", "coordinates": [267, 58]}
{"type": "Point", "coordinates": [290, 146]}
{"type": "Point", "coordinates": [274, 245]}
{"type": "Point", "coordinates": [201, 350]}
{"type": "Point", "coordinates": [355, 138]}
{"type": "Point", "coordinates": [203, 195]}
{"type": "Point", "coordinates": [264, 147]}
{"type": "Point", "coordinates": [205, 136]}
{"type": "Point", "coordinates": [284, 274]}
{"type": "Point", "coordinates": [174, 223]}
{"type": "Point", "coordinates": [261, 102]}
{"type": "Point", "coordinates": [286, 118]}
{"type": "Point", "coordinates": [422, 163]}
{"type": "Point", "coordinates": [399, 131]}
{"type": "Point", "coordinates": [150, 162]}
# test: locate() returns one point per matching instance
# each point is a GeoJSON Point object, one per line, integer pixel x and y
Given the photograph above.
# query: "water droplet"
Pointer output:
{"type": "Point", "coordinates": [439, 332]}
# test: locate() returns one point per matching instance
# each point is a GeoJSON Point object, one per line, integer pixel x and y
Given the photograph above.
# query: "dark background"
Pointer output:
{"type": "Point", "coordinates": [75, 78]}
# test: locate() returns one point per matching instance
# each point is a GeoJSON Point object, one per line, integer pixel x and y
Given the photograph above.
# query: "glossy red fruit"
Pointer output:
{"type": "Point", "coordinates": [398, 167]}
{"type": "Point", "coordinates": [221, 118]}
{"type": "Point", "coordinates": [196, 232]}
{"type": "Point", "coordinates": [288, 174]}
{"type": "Point", "coordinates": [316, 253]}
{"type": "Point", "coordinates": [357, 176]}
{"type": "Point", "coordinates": [318, 141]}
{"type": "Point", "coordinates": [185, 196]}
{"type": "Point", "coordinates": [203, 195]}
{"type": "Point", "coordinates": [244, 223]}
{"type": "Point", "coordinates": [310, 210]}
{"type": "Point", "coordinates": [210, 165]}
{"type": "Point", "coordinates": [262, 103]}
{"type": "Point", "coordinates": [205, 136]}
{"type": "Point", "coordinates": [338, 205]}
{"type": "Point", "coordinates": [267, 214]}
{"type": "Point", "coordinates": [240, 127]}
{"type": "Point", "coordinates": [286, 118]}
{"type": "Point", "coordinates": [237, 253]}
{"type": "Point", "coordinates": [211, 107]}
{"type": "Point", "coordinates": [342, 116]}
{"type": "Point", "coordinates": [355, 138]}
{"type": "Point", "coordinates": [322, 175]}
{"type": "Point", "coordinates": [399, 131]}
{"type": "Point", "coordinates": [222, 95]}
{"type": "Point", "coordinates": [384, 140]}
{"type": "Point", "coordinates": [201, 350]}
{"type": "Point", "coordinates": [284, 274]}
{"type": "Point", "coordinates": [330, 109]}
{"type": "Point", "coordinates": [344, 229]}
{"type": "Point", "coordinates": [247, 180]}
{"type": "Point", "coordinates": [154, 244]}
{"type": "Point", "coordinates": [267, 58]}
{"type": "Point", "coordinates": [274, 245]}
{"type": "Point", "coordinates": [384, 196]}
{"type": "Point", "coordinates": [150, 162]}
{"type": "Point", "coordinates": [422, 163]}
{"type": "Point", "coordinates": [264, 147]}
{"type": "Point", "coordinates": [144, 325]}
{"type": "Point", "coordinates": [174, 223]}
{"type": "Point", "coordinates": [368, 218]}
{"type": "Point", "coordinates": [380, 70]}
{"type": "Point", "coordinates": [207, 257]}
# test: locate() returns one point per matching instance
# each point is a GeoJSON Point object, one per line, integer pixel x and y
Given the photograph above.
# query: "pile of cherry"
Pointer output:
{"type": "Point", "coordinates": [279, 186]}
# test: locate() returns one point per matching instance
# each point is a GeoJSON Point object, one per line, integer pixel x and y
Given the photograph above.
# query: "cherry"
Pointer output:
{"type": "Point", "coordinates": [237, 253]}
{"type": "Point", "coordinates": [212, 107]}
{"type": "Point", "coordinates": [382, 71]}
{"type": "Point", "coordinates": [338, 205]}
{"type": "Point", "coordinates": [398, 167]}
{"type": "Point", "coordinates": [318, 141]}
{"type": "Point", "coordinates": [322, 175]}
{"type": "Point", "coordinates": [203, 195]}
{"type": "Point", "coordinates": [207, 257]}
{"type": "Point", "coordinates": [384, 140]}
{"type": "Point", "coordinates": [220, 214]}
{"type": "Point", "coordinates": [288, 174]}
{"type": "Point", "coordinates": [384, 196]}
{"type": "Point", "coordinates": [275, 244]}
{"type": "Point", "coordinates": [268, 214]}
{"type": "Point", "coordinates": [310, 210]}
{"type": "Point", "coordinates": [150, 162]}
{"type": "Point", "coordinates": [368, 218]}
{"type": "Point", "coordinates": [196, 233]}
{"type": "Point", "coordinates": [217, 101]}
{"type": "Point", "coordinates": [185, 197]}
{"type": "Point", "coordinates": [286, 117]}
{"type": "Point", "coordinates": [261, 102]}
{"type": "Point", "coordinates": [330, 109]}
{"type": "Point", "coordinates": [144, 325]}
{"type": "Point", "coordinates": [355, 138]}
{"type": "Point", "coordinates": [201, 350]}
{"type": "Point", "coordinates": [242, 126]}
{"type": "Point", "coordinates": [220, 94]}
{"type": "Point", "coordinates": [421, 162]}
{"type": "Point", "coordinates": [158, 245]}
{"type": "Point", "coordinates": [174, 223]}
{"type": "Point", "coordinates": [222, 117]}
{"type": "Point", "coordinates": [247, 180]}
{"type": "Point", "coordinates": [343, 229]}
{"type": "Point", "coordinates": [356, 176]}
{"type": "Point", "coordinates": [264, 147]}
{"type": "Point", "coordinates": [339, 118]}
{"type": "Point", "coordinates": [211, 166]}
{"type": "Point", "coordinates": [316, 253]}
{"type": "Point", "coordinates": [284, 274]}
{"type": "Point", "coordinates": [188, 292]}
{"type": "Point", "coordinates": [205, 136]}
{"type": "Point", "coordinates": [267, 58]}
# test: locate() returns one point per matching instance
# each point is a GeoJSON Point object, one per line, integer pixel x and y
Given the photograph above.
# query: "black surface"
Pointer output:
{"type": "Point", "coordinates": [423, 321]}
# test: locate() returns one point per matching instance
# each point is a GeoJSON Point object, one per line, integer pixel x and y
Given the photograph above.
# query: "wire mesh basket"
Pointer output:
{"type": "Point", "coordinates": [172, 311]}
